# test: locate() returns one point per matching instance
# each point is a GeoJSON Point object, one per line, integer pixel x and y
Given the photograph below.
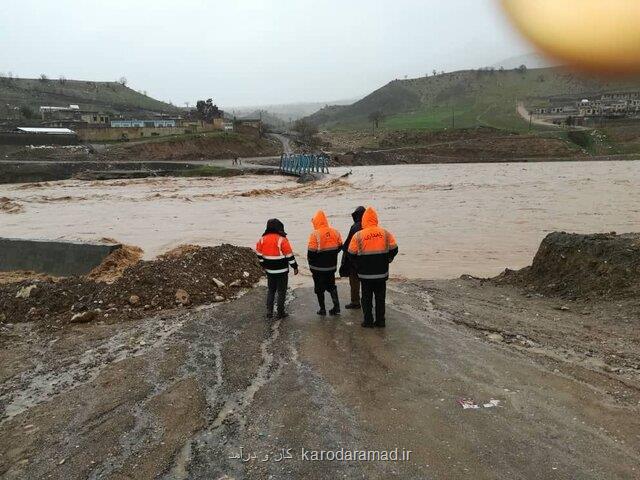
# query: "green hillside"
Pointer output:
{"type": "Point", "coordinates": [469, 98]}
{"type": "Point", "coordinates": [103, 96]}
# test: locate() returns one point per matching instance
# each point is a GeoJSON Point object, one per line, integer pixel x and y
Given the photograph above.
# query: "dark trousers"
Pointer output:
{"type": "Point", "coordinates": [277, 282]}
{"type": "Point", "coordinates": [354, 283]}
{"type": "Point", "coordinates": [323, 281]}
{"type": "Point", "coordinates": [371, 288]}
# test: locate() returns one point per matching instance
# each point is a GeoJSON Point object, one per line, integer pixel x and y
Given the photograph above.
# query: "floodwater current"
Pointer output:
{"type": "Point", "coordinates": [448, 219]}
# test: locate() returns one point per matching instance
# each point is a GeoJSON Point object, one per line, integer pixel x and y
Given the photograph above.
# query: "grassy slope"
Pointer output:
{"type": "Point", "coordinates": [478, 99]}
{"type": "Point", "coordinates": [105, 96]}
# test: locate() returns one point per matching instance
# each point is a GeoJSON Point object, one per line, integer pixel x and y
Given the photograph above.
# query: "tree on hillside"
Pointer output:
{"type": "Point", "coordinates": [43, 78]}
{"type": "Point", "coordinates": [27, 112]}
{"type": "Point", "coordinates": [208, 111]}
{"type": "Point", "coordinates": [62, 80]}
{"type": "Point", "coordinates": [123, 81]}
{"type": "Point", "coordinates": [522, 68]}
{"type": "Point", "coordinates": [375, 118]}
{"type": "Point", "coordinates": [306, 129]}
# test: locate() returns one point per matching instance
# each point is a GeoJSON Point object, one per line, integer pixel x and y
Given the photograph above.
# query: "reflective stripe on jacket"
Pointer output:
{"type": "Point", "coordinates": [275, 253]}
{"type": "Point", "coordinates": [325, 243]}
{"type": "Point", "coordinates": [373, 248]}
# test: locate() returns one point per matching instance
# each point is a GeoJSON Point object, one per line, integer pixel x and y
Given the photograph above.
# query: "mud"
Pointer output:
{"type": "Point", "coordinates": [446, 146]}
{"type": "Point", "coordinates": [197, 277]}
{"type": "Point", "coordinates": [196, 147]}
{"type": "Point", "coordinates": [40, 172]}
{"type": "Point", "coordinates": [116, 263]}
{"type": "Point", "coordinates": [21, 276]}
{"type": "Point", "coordinates": [583, 266]}
{"type": "Point", "coordinates": [181, 397]}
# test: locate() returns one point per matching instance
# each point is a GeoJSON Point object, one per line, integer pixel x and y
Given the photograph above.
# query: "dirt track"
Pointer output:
{"type": "Point", "coordinates": [177, 397]}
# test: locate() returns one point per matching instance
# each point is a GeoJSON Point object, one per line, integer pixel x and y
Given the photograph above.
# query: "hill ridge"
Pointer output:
{"type": "Point", "coordinates": [464, 98]}
{"type": "Point", "coordinates": [89, 95]}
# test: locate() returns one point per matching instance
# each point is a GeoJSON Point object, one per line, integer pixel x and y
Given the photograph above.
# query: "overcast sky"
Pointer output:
{"type": "Point", "coordinates": [251, 52]}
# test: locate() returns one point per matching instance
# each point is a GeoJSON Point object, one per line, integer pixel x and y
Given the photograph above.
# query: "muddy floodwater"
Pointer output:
{"type": "Point", "coordinates": [448, 219]}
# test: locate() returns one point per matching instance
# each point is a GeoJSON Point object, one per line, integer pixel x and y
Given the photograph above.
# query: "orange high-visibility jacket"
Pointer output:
{"type": "Point", "coordinates": [372, 248]}
{"type": "Point", "coordinates": [325, 243]}
{"type": "Point", "coordinates": [275, 253]}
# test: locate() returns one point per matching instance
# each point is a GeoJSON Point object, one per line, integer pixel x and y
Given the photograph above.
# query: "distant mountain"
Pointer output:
{"type": "Point", "coordinates": [267, 118]}
{"type": "Point", "coordinates": [531, 60]}
{"type": "Point", "coordinates": [100, 96]}
{"type": "Point", "coordinates": [289, 111]}
{"type": "Point", "coordinates": [466, 98]}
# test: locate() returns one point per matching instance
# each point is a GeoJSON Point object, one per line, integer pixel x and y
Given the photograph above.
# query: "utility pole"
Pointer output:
{"type": "Point", "coordinates": [530, 120]}
{"type": "Point", "coordinates": [453, 117]}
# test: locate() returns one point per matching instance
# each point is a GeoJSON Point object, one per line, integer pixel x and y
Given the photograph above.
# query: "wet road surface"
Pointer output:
{"type": "Point", "coordinates": [183, 396]}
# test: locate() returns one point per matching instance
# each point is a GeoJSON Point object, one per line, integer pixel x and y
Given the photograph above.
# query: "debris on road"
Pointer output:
{"type": "Point", "coordinates": [470, 404]}
{"type": "Point", "coordinates": [467, 403]}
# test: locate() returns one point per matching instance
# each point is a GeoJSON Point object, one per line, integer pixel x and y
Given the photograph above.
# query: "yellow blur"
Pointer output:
{"type": "Point", "coordinates": [596, 35]}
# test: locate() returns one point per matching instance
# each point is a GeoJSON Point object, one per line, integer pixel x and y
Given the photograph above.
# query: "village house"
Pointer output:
{"type": "Point", "coordinates": [607, 105]}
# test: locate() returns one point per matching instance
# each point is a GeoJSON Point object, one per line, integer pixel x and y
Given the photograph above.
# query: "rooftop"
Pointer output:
{"type": "Point", "coordinates": [51, 131]}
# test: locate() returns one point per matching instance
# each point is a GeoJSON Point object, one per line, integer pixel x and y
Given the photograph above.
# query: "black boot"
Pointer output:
{"type": "Point", "coordinates": [336, 303]}
{"type": "Point", "coordinates": [323, 311]}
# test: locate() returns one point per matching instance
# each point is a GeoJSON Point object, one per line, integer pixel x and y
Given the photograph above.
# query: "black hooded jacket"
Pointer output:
{"type": "Point", "coordinates": [276, 226]}
{"type": "Point", "coordinates": [347, 265]}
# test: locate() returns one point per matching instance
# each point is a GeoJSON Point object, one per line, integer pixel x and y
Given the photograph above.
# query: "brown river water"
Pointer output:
{"type": "Point", "coordinates": [448, 219]}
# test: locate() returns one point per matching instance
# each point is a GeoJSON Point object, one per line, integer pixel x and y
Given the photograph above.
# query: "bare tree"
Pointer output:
{"type": "Point", "coordinates": [43, 78]}
{"type": "Point", "coordinates": [306, 129]}
{"type": "Point", "coordinates": [375, 118]}
{"type": "Point", "coordinates": [123, 81]}
{"type": "Point", "coordinates": [62, 80]}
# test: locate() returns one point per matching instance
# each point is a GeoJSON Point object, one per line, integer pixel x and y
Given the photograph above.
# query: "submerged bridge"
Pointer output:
{"type": "Point", "coordinates": [301, 163]}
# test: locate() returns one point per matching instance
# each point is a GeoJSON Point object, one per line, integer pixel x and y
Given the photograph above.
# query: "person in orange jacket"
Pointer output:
{"type": "Point", "coordinates": [325, 243]}
{"type": "Point", "coordinates": [276, 255]}
{"type": "Point", "coordinates": [372, 249]}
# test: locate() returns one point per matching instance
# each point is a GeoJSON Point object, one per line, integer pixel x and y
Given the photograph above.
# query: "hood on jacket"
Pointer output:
{"type": "Point", "coordinates": [370, 218]}
{"type": "Point", "coordinates": [319, 220]}
{"type": "Point", "coordinates": [275, 226]}
{"type": "Point", "coordinates": [357, 214]}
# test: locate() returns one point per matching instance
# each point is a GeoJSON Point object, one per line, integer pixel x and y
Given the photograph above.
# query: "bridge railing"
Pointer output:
{"type": "Point", "coordinates": [300, 163]}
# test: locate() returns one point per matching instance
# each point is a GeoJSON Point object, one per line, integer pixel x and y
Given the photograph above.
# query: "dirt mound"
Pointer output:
{"type": "Point", "coordinates": [583, 266]}
{"type": "Point", "coordinates": [202, 276]}
{"type": "Point", "coordinates": [22, 275]}
{"type": "Point", "coordinates": [179, 251]}
{"type": "Point", "coordinates": [115, 264]}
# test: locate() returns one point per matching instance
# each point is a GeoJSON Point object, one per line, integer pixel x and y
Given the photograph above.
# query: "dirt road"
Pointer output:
{"type": "Point", "coordinates": [182, 396]}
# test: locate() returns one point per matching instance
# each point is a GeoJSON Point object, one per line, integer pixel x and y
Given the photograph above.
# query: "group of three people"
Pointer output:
{"type": "Point", "coordinates": [367, 253]}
